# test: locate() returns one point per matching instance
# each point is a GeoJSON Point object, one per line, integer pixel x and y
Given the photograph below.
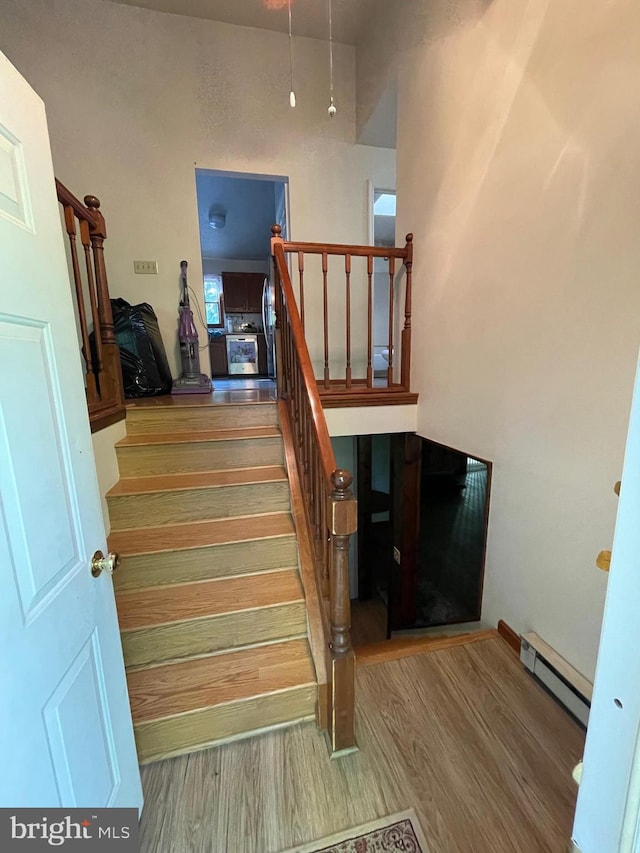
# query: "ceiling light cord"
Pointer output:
{"type": "Point", "coordinates": [292, 94]}
{"type": "Point", "coordinates": [332, 107]}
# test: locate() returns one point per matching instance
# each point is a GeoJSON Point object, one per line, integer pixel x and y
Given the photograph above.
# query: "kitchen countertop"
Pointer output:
{"type": "Point", "coordinates": [225, 334]}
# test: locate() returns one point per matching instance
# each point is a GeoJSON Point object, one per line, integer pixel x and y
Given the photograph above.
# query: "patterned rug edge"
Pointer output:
{"type": "Point", "coordinates": [356, 832]}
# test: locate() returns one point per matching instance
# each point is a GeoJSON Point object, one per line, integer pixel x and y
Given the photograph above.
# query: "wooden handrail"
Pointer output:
{"type": "Point", "coordinates": [346, 249]}
{"type": "Point", "coordinates": [100, 352]}
{"type": "Point", "coordinates": [67, 199]}
{"type": "Point", "coordinates": [397, 342]}
{"type": "Point", "coordinates": [329, 506]}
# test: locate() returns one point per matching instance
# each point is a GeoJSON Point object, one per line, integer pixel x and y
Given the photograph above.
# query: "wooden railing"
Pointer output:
{"type": "Point", "coordinates": [100, 352]}
{"type": "Point", "coordinates": [344, 286]}
{"type": "Point", "coordinates": [329, 507]}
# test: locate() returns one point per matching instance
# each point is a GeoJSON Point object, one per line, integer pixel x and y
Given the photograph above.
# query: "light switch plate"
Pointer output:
{"type": "Point", "coordinates": [145, 267]}
{"type": "Point", "coordinates": [396, 554]}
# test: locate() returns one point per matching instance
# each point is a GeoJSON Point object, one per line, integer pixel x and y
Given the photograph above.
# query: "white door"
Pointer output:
{"type": "Point", "coordinates": [66, 735]}
{"type": "Point", "coordinates": [608, 800]}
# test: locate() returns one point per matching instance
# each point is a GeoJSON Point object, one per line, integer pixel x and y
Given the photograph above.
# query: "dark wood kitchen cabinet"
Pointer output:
{"type": "Point", "coordinates": [242, 292]}
{"type": "Point", "coordinates": [218, 355]}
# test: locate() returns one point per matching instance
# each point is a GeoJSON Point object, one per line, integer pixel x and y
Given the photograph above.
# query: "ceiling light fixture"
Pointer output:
{"type": "Point", "coordinates": [332, 107]}
{"type": "Point", "coordinates": [217, 218]}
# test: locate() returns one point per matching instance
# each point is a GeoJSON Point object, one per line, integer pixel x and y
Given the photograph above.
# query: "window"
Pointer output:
{"type": "Point", "coordinates": [212, 300]}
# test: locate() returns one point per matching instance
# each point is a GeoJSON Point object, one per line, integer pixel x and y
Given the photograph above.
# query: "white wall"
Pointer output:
{"type": "Point", "coordinates": [106, 463]}
{"type": "Point", "coordinates": [136, 100]}
{"type": "Point", "coordinates": [371, 420]}
{"type": "Point", "coordinates": [518, 172]}
{"type": "Point", "coordinates": [392, 30]}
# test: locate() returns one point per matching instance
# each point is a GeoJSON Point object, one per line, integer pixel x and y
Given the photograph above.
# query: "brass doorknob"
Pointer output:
{"type": "Point", "coordinates": [100, 563]}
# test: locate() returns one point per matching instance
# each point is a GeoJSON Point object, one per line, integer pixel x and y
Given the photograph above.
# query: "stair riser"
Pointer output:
{"type": "Point", "coordinates": [181, 419]}
{"type": "Point", "coordinates": [202, 729]}
{"type": "Point", "coordinates": [216, 561]}
{"type": "Point", "coordinates": [214, 634]}
{"type": "Point", "coordinates": [143, 510]}
{"type": "Point", "coordinates": [198, 456]}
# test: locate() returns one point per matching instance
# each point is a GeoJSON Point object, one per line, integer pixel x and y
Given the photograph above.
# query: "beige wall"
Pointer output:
{"type": "Point", "coordinates": [137, 99]}
{"type": "Point", "coordinates": [524, 205]}
{"type": "Point", "coordinates": [107, 463]}
{"type": "Point", "coordinates": [390, 32]}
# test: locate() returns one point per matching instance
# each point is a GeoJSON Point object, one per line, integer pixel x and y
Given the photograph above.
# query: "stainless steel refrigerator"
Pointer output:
{"type": "Point", "coordinates": [269, 324]}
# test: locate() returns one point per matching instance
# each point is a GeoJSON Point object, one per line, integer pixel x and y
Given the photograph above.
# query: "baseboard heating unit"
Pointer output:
{"type": "Point", "coordinates": [564, 682]}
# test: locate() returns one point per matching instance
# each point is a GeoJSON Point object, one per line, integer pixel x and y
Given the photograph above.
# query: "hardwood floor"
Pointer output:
{"type": "Point", "coordinates": [462, 735]}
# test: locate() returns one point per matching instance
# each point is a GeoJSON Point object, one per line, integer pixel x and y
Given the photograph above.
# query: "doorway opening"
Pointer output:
{"type": "Point", "coordinates": [422, 529]}
{"type": "Point", "coordinates": [454, 508]}
{"type": "Point", "coordinates": [235, 215]}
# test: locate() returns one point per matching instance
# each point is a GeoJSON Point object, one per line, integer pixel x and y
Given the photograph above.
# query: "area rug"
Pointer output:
{"type": "Point", "coordinates": [397, 832]}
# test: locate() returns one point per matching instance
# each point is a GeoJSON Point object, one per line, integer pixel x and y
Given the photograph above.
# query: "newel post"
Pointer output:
{"type": "Point", "coordinates": [98, 231]}
{"type": "Point", "coordinates": [276, 239]}
{"type": "Point", "coordinates": [111, 389]}
{"type": "Point", "coordinates": [405, 364]}
{"type": "Point", "coordinates": [343, 521]}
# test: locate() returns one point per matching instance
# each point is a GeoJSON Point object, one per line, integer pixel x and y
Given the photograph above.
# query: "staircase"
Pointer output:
{"type": "Point", "coordinates": [211, 606]}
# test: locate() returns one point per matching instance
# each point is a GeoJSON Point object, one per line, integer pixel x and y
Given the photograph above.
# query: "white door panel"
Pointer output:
{"type": "Point", "coordinates": [65, 724]}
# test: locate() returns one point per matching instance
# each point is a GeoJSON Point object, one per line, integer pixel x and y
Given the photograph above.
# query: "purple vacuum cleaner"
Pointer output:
{"type": "Point", "coordinates": [191, 381]}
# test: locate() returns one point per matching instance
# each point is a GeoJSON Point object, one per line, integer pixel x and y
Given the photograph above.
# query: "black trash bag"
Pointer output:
{"type": "Point", "coordinates": [145, 369]}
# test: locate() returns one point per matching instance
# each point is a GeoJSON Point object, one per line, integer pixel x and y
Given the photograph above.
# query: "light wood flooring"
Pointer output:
{"type": "Point", "coordinates": [368, 621]}
{"type": "Point", "coordinates": [463, 735]}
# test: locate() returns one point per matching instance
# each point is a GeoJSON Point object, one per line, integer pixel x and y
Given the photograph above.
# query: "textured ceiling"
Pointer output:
{"type": "Point", "coordinates": [309, 16]}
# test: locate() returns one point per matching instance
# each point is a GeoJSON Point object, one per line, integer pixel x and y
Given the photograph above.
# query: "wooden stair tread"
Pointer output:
{"type": "Point", "coordinates": [160, 605]}
{"type": "Point", "coordinates": [198, 534]}
{"type": "Point", "coordinates": [197, 480]}
{"type": "Point", "coordinates": [185, 686]}
{"type": "Point", "coordinates": [240, 397]}
{"type": "Point", "coordinates": [190, 437]}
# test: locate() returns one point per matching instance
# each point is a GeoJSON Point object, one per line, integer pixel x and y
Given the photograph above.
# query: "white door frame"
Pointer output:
{"type": "Point", "coordinates": [608, 808]}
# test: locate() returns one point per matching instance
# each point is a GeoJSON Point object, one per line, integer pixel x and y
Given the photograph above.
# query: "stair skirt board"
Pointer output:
{"type": "Point", "coordinates": [209, 562]}
{"type": "Point", "coordinates": [208, 634]}
{"type": "Point", "coordinates": [187, 418]}
{"type": "Point", "coordinates": [141, 460]}
{"type": "Point", "coordinates": [198, 730]}
{"type": "Point", "coordinates": [174, 507]}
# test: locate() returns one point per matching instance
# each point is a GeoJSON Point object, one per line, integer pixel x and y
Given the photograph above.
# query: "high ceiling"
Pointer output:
{"type": "Point", "coordinates": [309, 16]}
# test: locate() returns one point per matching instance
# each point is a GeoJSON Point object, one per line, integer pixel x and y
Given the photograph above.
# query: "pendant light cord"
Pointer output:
{"type": "Point", "coordinates": [291, 96]}
{"type": "Point", "coordinates": [330, 49]}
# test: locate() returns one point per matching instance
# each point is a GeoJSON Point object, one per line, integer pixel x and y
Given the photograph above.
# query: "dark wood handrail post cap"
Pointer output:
{"type": "Point", "coordinates": [408, 251]}
{"type": "Point", "coordinates": [343, 507]}
{"type": "Point", "coordinates": [276, 230]}
{"type": "Point", "coordinates": [97, 227]}
{"type": "Point", "coordinates": [341, 481]}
